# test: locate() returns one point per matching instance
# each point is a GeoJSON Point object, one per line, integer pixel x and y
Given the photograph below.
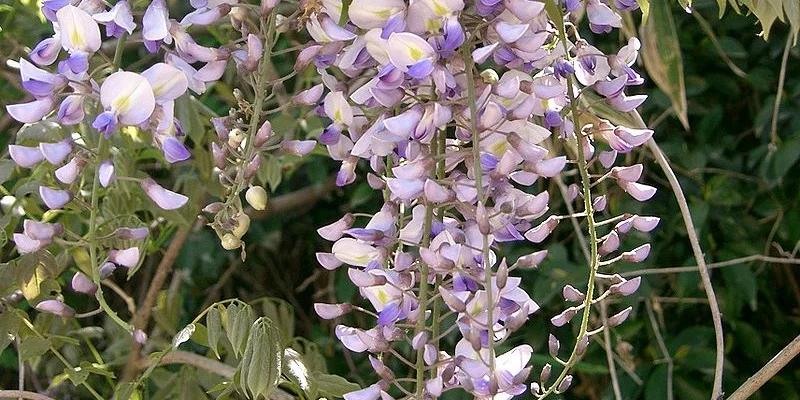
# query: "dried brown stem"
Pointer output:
{"type": "Point", "coordinates": [767, 371]}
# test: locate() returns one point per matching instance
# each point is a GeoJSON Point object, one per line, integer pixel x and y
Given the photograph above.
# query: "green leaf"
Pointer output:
{"type": "Point", "coordinates": [9, 326]}
{"type": "Point", "coordinates": [42, 131]}
{"type": "Point", "coordinates": [333, 385]}
{"type": "Point", "coordinates": [237, 326]}
{"type": "Point", "coordinates": [260, 369]}
{"type": "Point", "coordinates": [295, 368]}
{"type": "Point", "coordinates": [33, 347]}
{"type": "Point", "coordinates": [214, 327]}
{"type": "Point", "coordinates": [656, 387]}
{"type": "Point", "coordinates": [661, 54]}
{"type": "Point", "coordinates": [644, 5]}
{"type": "Point", "coordinates": [765, 12]}
{"type": "Point", "coordinates": [282, 313]}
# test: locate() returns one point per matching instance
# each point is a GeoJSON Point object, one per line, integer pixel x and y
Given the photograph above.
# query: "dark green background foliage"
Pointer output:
{"type": "Point", "coordinates": [741, 180]}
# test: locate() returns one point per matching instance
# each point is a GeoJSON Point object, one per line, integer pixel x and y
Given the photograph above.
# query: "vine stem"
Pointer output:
{"type": "Point", "coordinates": [587, 202]}
{"type": "Point", "coordinates": [705, 276]}
{"type": "Point", "coordinates": [22, 394]}
{"type": "Point", "coordinates": [477, 170]}
{"type": "Point", "coordinates": [767, 371]}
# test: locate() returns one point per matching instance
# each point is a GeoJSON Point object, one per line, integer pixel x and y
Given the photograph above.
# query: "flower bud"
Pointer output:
{"type": "Point", "coordinates": [572, 294]}
{"type": "Point", "coordinates": [572, 192]}
{"type": "Point", "coordinates": [335, 230]}
{"type": "Point", "coordinates": [235, 138]}
{"type": "Point", "coordinates": [565, 384]}
{"type": "Point", "coordinates": [630, 173]}
{"type": "Point", "coordinates": [252, 168]}
{"type": "Point", "coordinates": [563, 318]}
{"type": "Point", "coordinates": [583, 344]}
{"type": "Point", "coordinates": [502, 274]}
{"type": "Point", "coordinates": [610, 244]}
{"type": "Point", "coordinates": [25, 244]}
{"type": "Point", "coordinates": [626, 288]}
{"type": "Point", "coordinates": [215, 207]}
{"type": "Point", "coordinates": [131, 233]}
{"type": "Point", "coordinates": [256, 196]}
{"type": "Point", "coordinates": [310, 96]}
{"type": "Point", "coordinates": [619, 317]}
{"type": "Point", "coordinates": [230, 241]}
{"type": "Point", "coordinates": [242, 224]}
{"type": "Point", "coordinates": [55, 307]}
{"type": "Point", "coordinates": [599, 204]}
{"type": "Point", "coordinates": [419, 340]}
{"type": "Point", "coordinates": [54, 198]}
{"type": "Point", "coordinates": [41, 230]}
{"type": "Point", "coordinates": [107, 269]}
{"type": "Point", "coordinates": [127, 257]}
{"type": "Point", "coordinates": [328, 261]}
{"type": "Point", "coordinates": [489, 76]}
{"type": "Point", "coordinates": [220, 156]}
{"type": "Point", "coordinates": [645, 224]}
{"type": "Point", "coordinates": [221, 128]}
{"type": "Point", "coordinates": [452, 301]}
{"type": "Point", "coordinates": [553, 345]}
{"type": "Point", "coordinates": [82, 284]}
{"type": "Point", "coordinates": [638, 254]}
{"type": "Point", "coordinates": [535, 388]}
{"type": "Point", "coordinates": [106, 172]}
{"type": "Point", "coordinates": [263, 134]}
{"type": "Point", "coordinates": [637, 190]}
{"type": "Point", "coordinates": [607, 158]}
{"type": "Point", "coordinates": [331, 311]}
{"type": "Point", "coordinates": [139, 336]}
{"type": "Point", "coordinates": [541, 232]}
{"type": "Point", "coordinates": [532, 260]}
{"type": "Point", "coordinates": [545, 375]}
{"type": "Point", "coordinates": [299, 147]}
{"type": "Point", "coordinates": [482, 217]}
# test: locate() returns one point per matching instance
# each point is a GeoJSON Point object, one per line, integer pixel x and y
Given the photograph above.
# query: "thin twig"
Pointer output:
{"type": "Point", "coordinates": [612, 368]}
{"type": "Point", "coordinates": [774, 139]}
{"type": "Point", "coordinates": [662, 346]}
{"type": "Point", "coordinates": [716, 316]}
{"type": "Point", "coordinates": [767, 371]}
{"type": "Point", "coordinates": [736, 261]}
{"type": "Point", "coordinates": [22, 394]}
{"type": "Point", "coordinates": [142, 316]}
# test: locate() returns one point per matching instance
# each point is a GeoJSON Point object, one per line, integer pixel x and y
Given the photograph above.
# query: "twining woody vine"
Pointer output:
{"type": "Point", "coordinates": [457, 111]}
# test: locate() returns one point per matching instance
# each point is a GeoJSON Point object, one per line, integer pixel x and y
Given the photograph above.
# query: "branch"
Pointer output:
{"type": "Point", "coordinates": [22, 394]}
{"type": "Point", "coordinates": [767, 371]}
{"type": "Point", "coordinates": [728, 263]}
{"type": "Point", "coordinates": [142, 317]}
{"type": "Point", "coordinates": [705, 277]}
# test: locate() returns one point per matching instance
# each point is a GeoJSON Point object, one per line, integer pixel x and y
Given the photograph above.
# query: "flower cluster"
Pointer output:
{"type": "Point", "coordinates": [455, 147]}
{"type": "Point", "coordinates": [87, 102]}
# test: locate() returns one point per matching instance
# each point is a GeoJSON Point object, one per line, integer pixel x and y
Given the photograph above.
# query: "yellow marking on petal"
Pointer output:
{"type": "Point", "coordinates": [337, 115]}
{"type": "Point", "coordinates": [383, 297]}
{"type": "Point", "coordinates": [439, 8]}
{"type": "Point", "coordinates": [415, 53]}
{"type": "Point", "coordinates": [498, 148]}
{"type": "Point", "coordinates": [76, 39]}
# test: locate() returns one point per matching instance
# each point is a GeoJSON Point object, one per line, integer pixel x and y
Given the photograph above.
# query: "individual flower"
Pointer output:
{"type": "Point", "coordinates": [164, 199]}
{"type": "Point", "coordinates": [117, 20]}
{"type": "Point", "coordinates": [80, 36]}
{"type": "Point", "coordinates": [128, 99]}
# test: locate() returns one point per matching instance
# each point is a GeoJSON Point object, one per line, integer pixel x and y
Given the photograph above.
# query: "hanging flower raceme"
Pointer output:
{"type": "Point", "coordinates": [452, 145]}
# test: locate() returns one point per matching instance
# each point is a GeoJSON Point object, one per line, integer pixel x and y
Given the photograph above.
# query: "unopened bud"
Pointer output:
{"type": "Point", "coordinates": [220, 156]}
{"type": "Point", "coordinates": [489, 76]}
{"type": "Point", "coordinates": [599, 204]}
{"type": "Point", "coordinates": [230, 241]}
{"type": "Point", "coordinates": [331, 311]}
{"type": "Point", "coordinates": [252, 168]}
{"type": "Point", "coordinates": [638, 254]}
{"type": "Point", "coordinates": [56, 307]}
{"type": "Point", "coordinates": [619, 317]}
{"type": "Point", "coordinates": [545, 375]}
{"type": "Point", "coordinates": [242, 225]}
{"type": "Point", "coordinates": [502, 274]}
{"type": "Point", "coordinates": [235, 138]}
{"type": "Point", "coordinates": [626, 288]}
{"type": "Point", "coordinates": [531, 261]}
{"type": "Point", "coordinates": [553, 345]}
{"type": "Point", "coordinates": [267, 6]}
{"type": "Point", "coordinates": [535, 388]}
{"type": "Point", "coordinates": [563, 318]}
{"type": "Point", "coordinates": [565, 384]}
{"type": "Point", "coordinates": [82, 284]}
{"type": "Point", "coordinates": [482, 217]}
{"type": "Point", "coordinates": [610, 244]}
{"type": "Point", "coordinates": [583, 344]}
{"type": "Point", "coordinates": [256, 196]}
{"type": "Point", "coordinates": [214, 208]}
{"type": "Point", "coordinates": [452, 301]}
{"type": "Point", "coordinates": [572, 294]}
{"type": "Point", "coordinates": [139, 336]}
{"type": "Point", "coordinates": [419, 340]}
{"type": "Point", "coordinates": [263, 134]}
